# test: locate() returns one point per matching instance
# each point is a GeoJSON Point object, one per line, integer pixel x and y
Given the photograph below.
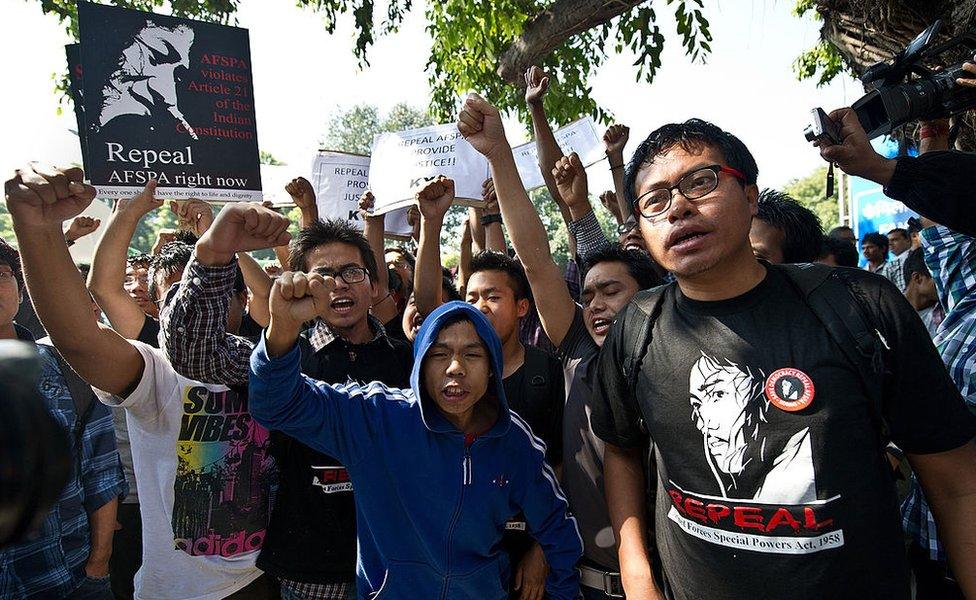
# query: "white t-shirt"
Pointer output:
{"type": "Point", "coordinates": [205, 477]}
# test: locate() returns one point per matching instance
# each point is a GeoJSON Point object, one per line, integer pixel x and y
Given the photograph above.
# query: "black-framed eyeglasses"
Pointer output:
{"type": "Point", "coordinates": [694, 185]}
{"type": "Point", "coordinates": [349, 274]}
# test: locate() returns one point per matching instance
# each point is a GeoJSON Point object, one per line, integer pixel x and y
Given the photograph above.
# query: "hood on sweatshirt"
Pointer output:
{"type": "Point", "coordinates": [432, 325]}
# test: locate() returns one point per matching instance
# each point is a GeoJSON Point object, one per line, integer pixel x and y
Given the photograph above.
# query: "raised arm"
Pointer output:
{"type": "Point", "coordinates": [194, 322]}
{"type": "Point", "coordinates": [615, 139]}
{"type": "Point", "coordinates": [303, 195]}
{"type": "Point", "coordinates": [259, 284]}
{"type": "Point", "coordinates": [571, 179]}
{"type": "Point", "coordinates": [331, 419]}
{"type": "Point", "coordinates": [433, 201]}
{"type": "Point", "coordinates": [80, 227]}
{"type": "Point", "coordinates": [464, 258]}
{"type": "Point", "coordinates": [491, 219]}
{"type": "Point", "coordinates": [547, 149]}
{"type": "Point", "coordinates": [374, 229]}
{"type": "Point", "coordinates": [480, 123]}
{"type": "Point", "coordinates": [106, 280]}
{"type": "Point", "coordinates": [39, 200]}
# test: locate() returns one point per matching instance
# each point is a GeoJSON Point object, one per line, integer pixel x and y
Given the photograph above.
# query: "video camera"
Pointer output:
{"type": "Point", "coordinates": [893, 99]}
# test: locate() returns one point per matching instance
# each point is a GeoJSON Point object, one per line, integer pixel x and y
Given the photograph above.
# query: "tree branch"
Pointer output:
{"type": "Point", "coordinates": [553, 26]}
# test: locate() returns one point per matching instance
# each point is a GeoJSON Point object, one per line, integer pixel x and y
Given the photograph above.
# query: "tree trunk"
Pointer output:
{"type": "Point", "coordinates": [551, 27]}
{"type": "Point", "coordinates": [869, 31]}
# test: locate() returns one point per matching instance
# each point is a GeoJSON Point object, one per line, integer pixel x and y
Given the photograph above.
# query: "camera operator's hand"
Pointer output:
{"type": "Point", "coordinates": [854, 155]}
{"type": "Point", "coordinates": [970, 82]}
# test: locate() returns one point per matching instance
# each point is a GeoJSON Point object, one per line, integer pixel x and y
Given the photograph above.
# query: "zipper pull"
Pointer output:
{"type": "Point", "coordinates": [466, 466]}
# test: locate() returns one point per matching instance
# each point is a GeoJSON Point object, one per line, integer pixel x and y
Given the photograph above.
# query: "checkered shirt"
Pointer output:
{"type": "Point", "coordinates": [316, 591]}
{"type": "Point", "coordinates": [50, 562]}
{"type": "Point", "coordinates": [951, 257]}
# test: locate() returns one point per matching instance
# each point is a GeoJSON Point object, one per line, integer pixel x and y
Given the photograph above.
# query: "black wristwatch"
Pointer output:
{"type": "Point", "coordinates": [492, 218]}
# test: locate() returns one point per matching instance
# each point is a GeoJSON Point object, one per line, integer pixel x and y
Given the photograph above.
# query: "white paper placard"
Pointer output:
{"type": "Point", "coordinates": [579, 137]}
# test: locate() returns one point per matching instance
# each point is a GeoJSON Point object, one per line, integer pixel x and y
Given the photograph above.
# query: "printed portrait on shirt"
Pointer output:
{"type": "Point", "coordinates": [730, 409]}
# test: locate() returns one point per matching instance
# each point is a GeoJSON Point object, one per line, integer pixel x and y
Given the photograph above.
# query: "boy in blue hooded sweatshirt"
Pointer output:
{"type": "Point", "coordinates": [438, 468]}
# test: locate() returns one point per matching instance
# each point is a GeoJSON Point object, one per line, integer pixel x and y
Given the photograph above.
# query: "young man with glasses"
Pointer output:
{"type": "Point", "coordinates": [771, 471]}
{"type": "Point", "coordinates": [311, 542]}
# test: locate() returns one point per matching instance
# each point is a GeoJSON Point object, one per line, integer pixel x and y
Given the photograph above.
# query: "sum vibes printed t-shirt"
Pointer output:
{"type": "Point", "coordinates": [205, 480]}
{"type": "Point", "coordinates": [772, 480]}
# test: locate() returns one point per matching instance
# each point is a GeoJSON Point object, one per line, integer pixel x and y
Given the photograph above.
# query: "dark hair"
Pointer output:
{"type": "Point", "coordinates": [901, 231]}
{"type": "Point", "coordinates": [187, 237]}
{"type": "Point", "coordinates": [915, 263]}
{"type": "Point", "coordinates": [11, 257]}
{"type": "Point", "coordinates": [802, 232]}
{"type": "Point", "coordinates": [639, 264]}
{"type": "Point", "coordinates": [490, 260]}
{"type": "Point", "coordinates": [836, 231]}
{"type": "Point", "coordinates": [406, 254]}
{"type": "Point", "coordinates": [449, 289]}
{"type": "Point", "coordinates": [843, 251]}
{"type": "Point", "coordinates": [84, 269]}
{"type": "Point", "coordinates": [877, 239]}
{"type": "Point", "coordinates": [138, 260]}
{"type": "Point", "coordinates": [692, 135]}
{"type": "Point", "coordinates": [394, 283]}
{"type": "Point", "coordinates": [172, 258]}
{"type": "Point", "coordinates": [328, 231]}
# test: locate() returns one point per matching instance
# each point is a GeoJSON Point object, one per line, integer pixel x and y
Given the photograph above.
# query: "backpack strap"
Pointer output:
{"type": "Point", "coordinates": [840, 304]}
{"type": "Point", "coordinates": [83, 399]}
{"type": "Point", "coordinates": [646, 308]}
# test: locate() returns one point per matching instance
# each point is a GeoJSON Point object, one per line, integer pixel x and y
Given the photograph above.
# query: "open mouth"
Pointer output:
{"type": "Point", "coordinates": [688, 240]}
{"type": "Point", "coordinates": [454, 393]}
{"type": "Point", "coordinates": [633, 246]}
{"type": "Point", "coordinates": [601, 326]}
{"type": "Point", "coordinates": [342, 305]}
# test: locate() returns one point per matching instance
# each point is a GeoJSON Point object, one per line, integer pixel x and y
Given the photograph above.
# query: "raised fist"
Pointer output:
{"type": "Point", "coordinates": [571, 179]}
{"type": "Point", "coordinates": [481, 124]}
{"type": "Point", "coordinates": [489, 196]}
{"type": "Point", "coordinates": [301, 192]}
{"type": "Point", "coordinates": [242, 227]}
{"type": "Point", "coordinates": [46, 196]}
{"type": "Point", "coordinates": [194, 215]}
{"type": "Point", "coordinates": [141, 204]}
{"type": "Point", "coordinates": [536, 85]}
{"type": "Point", "coordinates": [609, 201]}
{"type": "Point", "coordinates": [366, 204]}
{"type": "Point", "coordinates": [163, 237]}
{"type": "Point", "coordinates": [615, 138]}
{"type": "Point", "coordinates": [80, 227]}
{"type": "Point", "coordinates": [299, 297]}
{"type": "Point", "coordinates": [436, 198]}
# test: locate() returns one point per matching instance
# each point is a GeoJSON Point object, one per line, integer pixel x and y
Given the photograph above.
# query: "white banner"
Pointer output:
{"type": "Point", "coordinates": [339, 179]}
{"type": "Point", "coordinates": [579, 137]}
{"type": "Point", "coordinates": [404, 160]}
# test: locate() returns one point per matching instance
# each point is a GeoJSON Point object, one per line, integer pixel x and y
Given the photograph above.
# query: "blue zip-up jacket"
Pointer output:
{"type": "Point", "coordinates": [431, 509]}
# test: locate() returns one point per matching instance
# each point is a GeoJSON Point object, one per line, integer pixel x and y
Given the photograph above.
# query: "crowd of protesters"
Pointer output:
{"type": "Point", "coordinates": [718, 403]}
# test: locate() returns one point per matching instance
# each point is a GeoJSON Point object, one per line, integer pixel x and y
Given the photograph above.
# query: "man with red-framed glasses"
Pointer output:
{"type": "Point", "coordinates": [771, 475]}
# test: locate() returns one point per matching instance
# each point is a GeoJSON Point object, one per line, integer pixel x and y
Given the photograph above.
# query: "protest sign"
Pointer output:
{"type": "Point", "coordinates": [339, 179]}
{"type": "Point", "coordinates": [579, 137]}
{"type": "Point", "coordinates": [169, 99]}
{"type": "Point", "coordinates": [73, 54]}
{"type": "Point", "coordinates": [403, 161]}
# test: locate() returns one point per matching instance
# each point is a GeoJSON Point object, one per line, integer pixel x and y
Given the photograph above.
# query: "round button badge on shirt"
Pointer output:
{"type": "Point", "coordinates": [790, 389]}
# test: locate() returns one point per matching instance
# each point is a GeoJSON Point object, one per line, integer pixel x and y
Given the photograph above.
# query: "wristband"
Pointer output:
{"type": "Point", "coordinates": [614, 168]}
{"type": "Point", "coordinates": [68, 242]}
{"type": "Point", "coordinates": [492, 218]}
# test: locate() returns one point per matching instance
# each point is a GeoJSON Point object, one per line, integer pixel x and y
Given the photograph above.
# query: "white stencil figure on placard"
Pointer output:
{"type": "Point", "coordinates": [145, 80]}
{"type": "Point", "coordinates": [730, 409]}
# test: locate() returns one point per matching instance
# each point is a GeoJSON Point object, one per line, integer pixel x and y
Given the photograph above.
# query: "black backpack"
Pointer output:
{"type": "Point", "coordinates": [834, 297]}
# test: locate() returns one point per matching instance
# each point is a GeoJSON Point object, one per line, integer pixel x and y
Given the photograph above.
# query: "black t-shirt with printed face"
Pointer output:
{"type": "Point", "coordinates": [772, 482]}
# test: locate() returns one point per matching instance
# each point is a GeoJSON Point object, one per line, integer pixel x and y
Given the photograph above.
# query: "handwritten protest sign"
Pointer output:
{"type": "Point", "coordinates": [339, 179]}
{"type": "Point", "coordinates": [403, 161]}
{"type": "Point", "coordinates": [579, 137]}
{"type": "Point", "coordinates": [169, 99]}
